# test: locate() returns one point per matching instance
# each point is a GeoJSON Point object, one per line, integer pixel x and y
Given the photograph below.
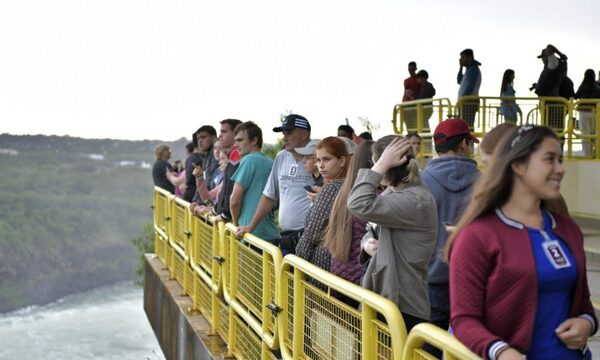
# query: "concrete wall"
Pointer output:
{"type": "Point", "coordinates": [180, 333]}
{"type": "Point", "coordinates": [581, 186]}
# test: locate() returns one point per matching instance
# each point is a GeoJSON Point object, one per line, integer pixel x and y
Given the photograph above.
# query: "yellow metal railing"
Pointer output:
{"type": "Point", "coordinates": [318, 325]}
{"type": "Point", "coordinates": [181, 224]}
{"type": "Point", "coordinates": [588, 121]}
{"type": "Point", "coordinates": [576, 121]}
{"type": "Point", "coordinates": [252, 288]}
{"type": "Point", "coordinates": [258, 302]}
{"type": "Point", "coordinates": [421, 116]}
{"type": "Point", "coordinates": [162, 201]}
{"type": "Point", "coordinates": [433, 335]}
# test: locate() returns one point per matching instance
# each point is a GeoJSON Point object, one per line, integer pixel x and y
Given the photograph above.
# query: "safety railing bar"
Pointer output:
{"type": "Point", "coordinates": [275, 253]}
{"type": "Point", "coordinates": [178, 250]}
{"type": "Point", "coordinates": [441, 339]}
{"type": "Point", "coordinates": [202, 274]}
{"type": "Point", "coordinates": [382, 305]}
{"type": "Point", "coordinates": [161, 232]}
{"type": "Point", "coordinates": [253, 322]}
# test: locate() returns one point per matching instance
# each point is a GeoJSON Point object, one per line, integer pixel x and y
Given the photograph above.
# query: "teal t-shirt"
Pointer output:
{"type": "Point", "coordinates": [252, 174]}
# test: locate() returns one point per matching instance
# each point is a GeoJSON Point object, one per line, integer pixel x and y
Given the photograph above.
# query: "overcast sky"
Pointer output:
{"type": "Point", "coordinates": [158, 69]}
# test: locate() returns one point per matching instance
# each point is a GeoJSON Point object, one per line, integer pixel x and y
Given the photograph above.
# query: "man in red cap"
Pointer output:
{"type": "Point", "coordinates": [450, 178]}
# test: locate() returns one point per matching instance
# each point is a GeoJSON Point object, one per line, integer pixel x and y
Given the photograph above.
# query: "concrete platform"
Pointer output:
{"type": "Point", "coordinates": [181, 334]}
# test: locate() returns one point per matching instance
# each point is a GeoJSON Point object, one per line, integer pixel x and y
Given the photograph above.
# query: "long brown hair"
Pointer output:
{"type": "Point", "coordinates": [495, 186]}
{"type": "Point", "coordinates": [507, 79]}
{"type": "Point", "coordinates": [338, 238]}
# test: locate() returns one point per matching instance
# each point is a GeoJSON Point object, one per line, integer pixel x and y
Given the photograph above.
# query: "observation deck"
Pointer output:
{"type": "Point", "coordinates": [209, 294]}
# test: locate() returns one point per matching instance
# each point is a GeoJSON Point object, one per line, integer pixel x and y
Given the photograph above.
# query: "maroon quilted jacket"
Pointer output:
{"type": "Point", "coordinates": [352, 270]}
{"type": "Point", "coordinates": [493, 285]}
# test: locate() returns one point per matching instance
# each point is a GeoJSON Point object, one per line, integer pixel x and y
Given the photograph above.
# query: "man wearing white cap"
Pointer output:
{"type": "Point", "coordinates": [286, 185]}
{"type": "Point", "coordinates": [310, 162]}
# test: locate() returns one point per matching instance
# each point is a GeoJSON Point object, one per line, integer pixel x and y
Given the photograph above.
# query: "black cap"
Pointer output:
{"type": "Point", "coordinates": [293, 121]}
{"type": "Point", "coordinates": [543, 53]}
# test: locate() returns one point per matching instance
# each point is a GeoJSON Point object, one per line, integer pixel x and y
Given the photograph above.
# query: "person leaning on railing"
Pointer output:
{"type": "Point", "coordinates": [518, 283]}
{"type": "Point", "coordinates": [407, 220]}
{"type": "Point", "coordinates": [345, 231]}
{"type": "Point", "coordinates": [285, 186]}
{"type": "Point", "coordinates": [195, 157]}
{"type": "Point", "coordinates": [427, 91]}
{"type": "Point", "coordinates": [249, 181]}
{"type": "Point", "coordinates": [162, 167]}
{"type": "Point", "coordinates": [333, 159]}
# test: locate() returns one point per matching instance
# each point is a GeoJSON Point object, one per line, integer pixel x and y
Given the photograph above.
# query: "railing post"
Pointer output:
{"type": "Point", "coordinates": [298, 331]}
{"type": "Point", "coordinates": [543, 120]}
{"type": "Point", "coordinates": [419, 118]}
{"type": "Point", "coordinates": [369, 332]}
{"type": "Point", "coordinates": [570, 128]}
{"type": "Point", "coordinates": [394, 120]}
{"type": "Point", "coordinates": [484, 116]}
{"type": "Point", "coordinates": [266, 293]}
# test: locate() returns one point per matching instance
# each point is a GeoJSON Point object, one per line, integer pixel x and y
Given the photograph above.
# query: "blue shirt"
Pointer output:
{"type": "Point", "coordinates": [555, 283]}
{"type": "Point", "coordinates": [252, 174]}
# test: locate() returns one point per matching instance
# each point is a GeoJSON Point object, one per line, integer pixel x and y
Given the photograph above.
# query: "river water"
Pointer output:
{"type": "Point", "coordinates": [105, 323]}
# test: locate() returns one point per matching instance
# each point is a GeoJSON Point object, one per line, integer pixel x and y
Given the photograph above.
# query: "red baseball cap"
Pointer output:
{"type": "Point", "coordinates": [450, 128]}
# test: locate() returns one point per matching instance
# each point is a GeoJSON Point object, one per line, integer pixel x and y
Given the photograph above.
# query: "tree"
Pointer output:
{"type": "Point", "coordinates": [144, 244]}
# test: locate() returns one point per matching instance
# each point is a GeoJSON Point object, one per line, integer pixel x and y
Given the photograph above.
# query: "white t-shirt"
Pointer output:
{"type": "Point", "coordinates": [286, 184]}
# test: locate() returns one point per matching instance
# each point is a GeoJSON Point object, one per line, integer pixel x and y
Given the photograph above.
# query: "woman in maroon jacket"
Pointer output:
{"type": "Point", "coordinates": [518, 282]}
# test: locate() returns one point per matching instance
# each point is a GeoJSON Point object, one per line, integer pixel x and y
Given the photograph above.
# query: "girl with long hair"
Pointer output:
{"type": "Point", "coordinates": [406, 218]}
{"type": "Point", "coordinates": [332, 160]}
{"type": "Point", "coordinates": [508, 107]}
{"type": "Point", "coordinates": [518, 281]}
{"type": "Point", "coordinates": [345, 230]}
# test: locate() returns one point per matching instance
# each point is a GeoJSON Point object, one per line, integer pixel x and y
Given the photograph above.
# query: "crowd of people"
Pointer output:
{"type": "Point", "coordinates": [553, 81]}
{"type": "Point", "coordinates": [493, 256]}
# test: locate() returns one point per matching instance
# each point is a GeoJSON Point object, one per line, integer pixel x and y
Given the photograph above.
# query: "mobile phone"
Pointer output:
{"type": "Point", "coordinates": [309, 188]}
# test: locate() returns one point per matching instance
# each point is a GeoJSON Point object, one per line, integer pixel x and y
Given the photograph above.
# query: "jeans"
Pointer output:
{"type": "Point", "coordinates": [439, 299]}
{"type": "Point", "coordinates": [288, 240]}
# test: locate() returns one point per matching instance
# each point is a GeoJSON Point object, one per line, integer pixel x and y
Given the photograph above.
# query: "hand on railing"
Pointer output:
{"type": "Point", "coordinates": [242, 230]}
{"type": "Point", "coordinates": [200, 210]}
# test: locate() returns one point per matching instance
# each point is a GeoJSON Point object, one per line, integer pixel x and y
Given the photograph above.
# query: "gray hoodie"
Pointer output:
{"type": "Point", "coordinates": [450, 180]}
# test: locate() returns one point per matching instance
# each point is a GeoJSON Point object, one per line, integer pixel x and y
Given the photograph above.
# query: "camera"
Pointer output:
{"type": "Point", "coordinates": [533, 86]}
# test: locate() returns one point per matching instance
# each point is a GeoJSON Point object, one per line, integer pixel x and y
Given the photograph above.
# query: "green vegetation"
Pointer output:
{"type": "Point", "coordinates": [72, 214]}
{"type": "Point", "coordinates": [144, 245]}
{"type": "Point", "coordinates": [271, 150]}
{"type": "Point", "coordinates": [66, 220]}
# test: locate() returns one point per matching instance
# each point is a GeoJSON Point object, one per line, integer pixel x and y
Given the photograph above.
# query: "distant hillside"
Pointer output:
{"type": "Point", "coordinates": [68, 210]}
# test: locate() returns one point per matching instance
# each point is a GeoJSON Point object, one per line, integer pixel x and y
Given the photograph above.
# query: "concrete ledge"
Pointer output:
{"type": "Point", "coordinates": [181, 334]}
